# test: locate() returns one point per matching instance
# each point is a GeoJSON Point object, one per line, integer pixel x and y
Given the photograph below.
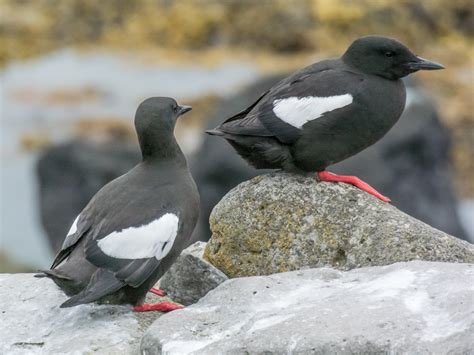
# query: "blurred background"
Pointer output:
{"type": "Point", "coordinates": [74, 71]}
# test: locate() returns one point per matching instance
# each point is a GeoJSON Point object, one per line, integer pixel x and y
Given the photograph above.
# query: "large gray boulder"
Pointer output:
{"type": "Point", "coordinates": [191, 277]}
{"type": "Point", "coordinates": [416, 307]}
{"type": "Point", "coordinates": [32, 322]}
{"type": "Point", "coordinates": [282, 222]}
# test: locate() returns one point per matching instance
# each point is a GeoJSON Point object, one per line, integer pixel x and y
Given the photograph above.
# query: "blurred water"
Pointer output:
{"type": "Point", "coordinates": [116, 84]}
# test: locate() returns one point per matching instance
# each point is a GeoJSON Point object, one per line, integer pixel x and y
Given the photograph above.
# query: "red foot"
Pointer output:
{"type": "Point", "coordinates": [157, 292]}
{"type": "Point", "coordinates": [353, 180]}
{"type": "Point", "coordinates": [160, 307]}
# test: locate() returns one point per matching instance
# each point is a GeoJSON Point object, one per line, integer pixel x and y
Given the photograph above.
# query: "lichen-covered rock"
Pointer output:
{"type": "Point", "coordinates": [191, 277]}
{"type": "Point", "coordinates": [282, 222]}
{"type": "Point", "coordinates": [31, 321]}
{"type": "Point", "coordinates": [416, 307]}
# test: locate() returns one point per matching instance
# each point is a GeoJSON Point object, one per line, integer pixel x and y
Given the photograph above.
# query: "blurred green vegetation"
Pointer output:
{"type": "Point", "coordinates": [285, 33]}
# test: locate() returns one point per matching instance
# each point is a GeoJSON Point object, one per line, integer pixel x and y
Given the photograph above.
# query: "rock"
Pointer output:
{"type": "Point", "coordinates": [415, 150]}
{"type": "Point", "coordinates": [33, 323]}
{"type": "Point", "coordinates": [191, 277]}
{"type": "Point", "coordinates": [415, 307]}
{"type": "Point", "coordinates": [70, 174]}
{"type": "Point", "coordinates": [283, 222]}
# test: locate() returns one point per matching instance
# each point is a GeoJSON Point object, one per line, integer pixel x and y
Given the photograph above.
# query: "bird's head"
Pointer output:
{"type": "Point", "coordinates": [385, 57]}
{"type": "Point", "coordinates": [158, 114]}
{"type": "Point", "coordinates": [155, 120]}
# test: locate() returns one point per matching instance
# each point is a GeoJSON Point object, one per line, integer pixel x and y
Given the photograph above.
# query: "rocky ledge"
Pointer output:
{"type": "Point", "coordinates": [415, 307]}
{"type": "Point", "coordinates": [282, 222]}
{"type": "Point", "coordinates": [32, 322]}
{"type": "Point", "coordinates": [270, 224]}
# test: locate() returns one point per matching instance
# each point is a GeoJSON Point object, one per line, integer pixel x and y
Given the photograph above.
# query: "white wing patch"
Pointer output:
{"type": "Point", "coordinates": [296, 111]}
{"type": "Point", "coordinates": [151, 240]}
{"type": "Point", "coordinates": [73, 227]}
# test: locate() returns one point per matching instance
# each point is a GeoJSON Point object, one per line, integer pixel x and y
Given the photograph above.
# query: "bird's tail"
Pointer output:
{"type": "Point", "coordinates": [52, 274]}
{"type": "Point", "coordinates": [215, 132]}
{"type": "Point", "coordinates": [67, 283]}
{"type": "Point", "coordinates": [102, 283]}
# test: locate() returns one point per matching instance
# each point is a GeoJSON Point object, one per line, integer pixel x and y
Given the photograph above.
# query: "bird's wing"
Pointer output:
{"type": "Point", "coordinates": [131, 231]}
{"type": "Point", "coordinates": [132, 250]}
{"type": "Point", "coordinates": [125, 256]}
{"type": "Point", "coordinates": [78, 230]}
{"type": "Point", "coordinates": [288, 106]}
{"type": "Point", "coordinates": [126, 230]}
{"type": "Point", "coordinates": [244, 124]}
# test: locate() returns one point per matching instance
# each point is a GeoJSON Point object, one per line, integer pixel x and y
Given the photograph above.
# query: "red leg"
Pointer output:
{"type": "Point", "coordinates": [160, 307]}
{"type": "Point", "coordinates": [157, 292]}
{"type": "Point", "coordinates": [353, 180]}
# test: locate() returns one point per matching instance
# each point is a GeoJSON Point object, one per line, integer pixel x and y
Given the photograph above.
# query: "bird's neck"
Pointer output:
{"type": "Point", "coordinates": [160, 147]}
{"type": "Point", "coordinates": [353, 65]}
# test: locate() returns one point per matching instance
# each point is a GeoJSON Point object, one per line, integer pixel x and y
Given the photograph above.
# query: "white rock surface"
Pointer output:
{"type": "Point", "coordinates": [414, 307]}
{"type": "Point", "coordinates": [32, 322]}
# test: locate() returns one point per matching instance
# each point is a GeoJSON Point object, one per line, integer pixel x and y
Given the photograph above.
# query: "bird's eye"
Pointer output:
{"type": "Point", "coordinates": [175, 109]}
{"type": "Point", "coordinates": [389, 54]}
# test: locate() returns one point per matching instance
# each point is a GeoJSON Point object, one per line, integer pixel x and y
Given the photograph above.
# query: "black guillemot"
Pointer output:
{"type": "Point", "coordinates": [327, 112]}
{"type": "Point", "coordinates": [133, 229]}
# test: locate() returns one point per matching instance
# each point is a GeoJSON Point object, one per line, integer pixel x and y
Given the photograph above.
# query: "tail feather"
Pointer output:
{"type": "Point", "coordinates": [53, 274]}
{"type": "Point", "coordinates": [61, 256]}
{"type": "Point", "coordinates": [215, 132]}
{"type": "Point", "coordinates": [67, 283]}
{"type": "Point", "coordinates": [102, 283]}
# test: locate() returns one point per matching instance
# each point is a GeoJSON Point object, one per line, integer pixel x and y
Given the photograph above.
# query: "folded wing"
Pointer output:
{"type": "Point", "coordinates": [282, 111]}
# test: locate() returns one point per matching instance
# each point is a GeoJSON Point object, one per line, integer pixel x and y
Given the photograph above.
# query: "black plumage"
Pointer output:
{"type": "Point", "coordinates": [328, 111]}
{"type": "Point", "coordinates": [135, 226]}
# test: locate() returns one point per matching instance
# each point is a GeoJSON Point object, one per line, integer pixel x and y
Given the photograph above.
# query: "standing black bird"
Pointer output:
{"type": "Point", "coordinates": [135, 226]}
{"type": "Point", "coordinates": [327, 112]}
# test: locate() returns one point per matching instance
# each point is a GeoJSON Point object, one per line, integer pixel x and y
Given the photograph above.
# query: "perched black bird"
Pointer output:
{"type": "Point", "coordinates": [135, 226]}
{"type": "Point", "coordinates": [326, 112]}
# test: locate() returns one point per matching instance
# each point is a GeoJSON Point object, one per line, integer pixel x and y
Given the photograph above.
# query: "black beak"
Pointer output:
{"type": "Point", "coordinates": [183, 109]}
{"type": "Point", "coordinates": [423, 64]}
